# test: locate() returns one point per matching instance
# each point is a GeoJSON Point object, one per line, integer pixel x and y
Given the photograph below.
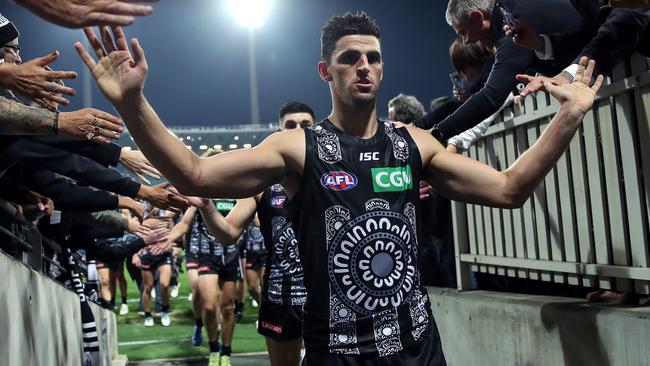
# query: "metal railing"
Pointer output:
{"type": "Point", "coordinates": [27, 243]}
{"type": "Point", "coordinates": [587, 222]}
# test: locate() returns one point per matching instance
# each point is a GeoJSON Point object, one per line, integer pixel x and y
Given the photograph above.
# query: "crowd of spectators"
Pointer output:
{"type": "Point", "coordinates": [58, 169]}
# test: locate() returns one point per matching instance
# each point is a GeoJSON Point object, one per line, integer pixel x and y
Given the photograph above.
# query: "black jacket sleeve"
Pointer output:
{"type": "Point", "coordinates": [510, 61]}
{"type": "Point", "coordinates": [117, 251]}
{"type": "Point", "coordinates": [85, 171]}
{"type": "Point", "coordinates": [619, 33]}
{"type": "Point", "coordinates": [66, 195]}
{"type": "Point", "coordinates": [104, 154]}
{"type": "Point", "coordinates": [438, 115]}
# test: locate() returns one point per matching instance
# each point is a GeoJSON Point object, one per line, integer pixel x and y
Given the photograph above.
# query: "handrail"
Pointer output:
{"type": "Point", "coordinates": [588, 222]}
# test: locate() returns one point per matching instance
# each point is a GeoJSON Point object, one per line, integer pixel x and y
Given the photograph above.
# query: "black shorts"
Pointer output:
{"type": "Point", "coordinates": [228, 267]}
{"type": "Point", "coordinates": [151, 262]}
{"type": "Point", "coordinates": [280, 322]}
{"type": "Point", "coordinates": [255, 260]}
{"type": "Point", "coordinates": [113, 266]}
{"type": "Point", "coordinates": [425, 352]}
{"type": "Point", "coordinates": [191, 261]}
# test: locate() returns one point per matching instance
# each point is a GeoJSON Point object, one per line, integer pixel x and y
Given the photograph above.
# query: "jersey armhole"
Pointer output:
{"type": "Point", "coordinates": [294, 203]}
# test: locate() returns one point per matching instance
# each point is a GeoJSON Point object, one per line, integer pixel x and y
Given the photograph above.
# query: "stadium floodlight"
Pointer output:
{"type": "Point", "coordinates": [250, 13]}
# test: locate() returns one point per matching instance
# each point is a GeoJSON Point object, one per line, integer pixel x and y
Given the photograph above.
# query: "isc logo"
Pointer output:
{"type": "Point", "coordinates": [338, 180]}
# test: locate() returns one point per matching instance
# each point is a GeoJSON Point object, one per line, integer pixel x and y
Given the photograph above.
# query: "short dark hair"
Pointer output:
{"type": "Point", "coordinates": [407, 108]}
{"type": "Point", "coordinates": [347, 24]}
{"type": "Point", "coordinates": [295, 107]}
{"type": "Point", "coordinates": [468, 55]}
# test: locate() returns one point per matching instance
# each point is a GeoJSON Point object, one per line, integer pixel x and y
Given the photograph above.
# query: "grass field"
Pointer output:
{"type": "Point", "coordinates": [144, 343]}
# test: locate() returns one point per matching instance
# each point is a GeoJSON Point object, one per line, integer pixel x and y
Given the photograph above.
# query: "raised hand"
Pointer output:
{"type": "Point", "coordinates": [578, 95]}
{"type": "Point", "coordinates": [154, 236]}
{"type": "Point", "coordinates": [119, 74]}
{"type": "Point", "coordinates": [535, 83]}
{"type": "Point", "coordinates": [137, 163]}
{"type": "Point", "coordinates": [90, 124]}
{"type": "Point", "coordinates": [197, 202]}
{"type": "Point", "coordinates": [160, 197]}
{"type": "Point", "coordinates": [86, 13]}
{"type": "Point", "coordinates": [135, 208]}
{"type": "Point", "coordinates": [36, 81]}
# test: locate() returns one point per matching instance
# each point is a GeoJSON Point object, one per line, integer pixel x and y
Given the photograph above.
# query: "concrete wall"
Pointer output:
{"type": "Point", "coordinates": [40, 320]}
{"type": "Point", "coordinates": [487, 328]}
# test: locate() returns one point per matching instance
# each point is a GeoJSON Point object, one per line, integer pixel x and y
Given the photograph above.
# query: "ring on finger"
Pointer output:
{"type": "Point", "coordinates": [90, 136]}
{"type": "Point", "coordinates": [50, 87]}
{"type": "Point", "coordinates": [95, 122]}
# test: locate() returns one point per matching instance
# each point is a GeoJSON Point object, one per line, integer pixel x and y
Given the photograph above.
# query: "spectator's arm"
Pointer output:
{"type": "Point", "coordinates": [105, 154]}
{"type": "Point", "coordinates": [108, 220]}
{"type": "Point", "coordinates": [437, 115]}
{"type": "Point", "coordinates": [510, 61]}
{"type": "Point", "coordinates": [466, 139]}
{"type": "Point", "coordinates": [617, 36]}
{"type": "Point", "coordinates": [88, 173]}
{"type": "Point", "coordinates": [115, 252]}
{"type": "Point", "coordinates": [66, 195]}
{"type": "Point", "coordinates": [86, 13]}
{"type": "Point", "coordinates": [36, 81]}
{"type": "Point", "coordinates": [19, 119]}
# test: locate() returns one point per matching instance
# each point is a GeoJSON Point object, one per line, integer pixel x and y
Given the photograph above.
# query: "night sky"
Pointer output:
{"type": "Point", "coordinates": [198, 56]}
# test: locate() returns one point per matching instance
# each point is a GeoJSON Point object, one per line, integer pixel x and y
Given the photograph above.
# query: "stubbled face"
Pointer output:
{"type": "Point", "coordinates": [11, 52]}
{"type": "Point", "coordinates": [475, 29]}
{"type": "Point", "coordinates": [355, 69]}
{"type": "Point", "coordinates": [292, 121]}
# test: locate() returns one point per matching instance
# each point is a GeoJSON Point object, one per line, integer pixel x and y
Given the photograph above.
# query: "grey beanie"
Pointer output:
{"type": "Point", "coordinates": [7, 31]}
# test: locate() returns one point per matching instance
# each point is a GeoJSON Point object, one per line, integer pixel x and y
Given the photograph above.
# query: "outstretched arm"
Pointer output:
{"type": "Point", "coordinates": [19, 119]}
{"type": "Point", "coordinates": [228, 229]}
{"type": "Point", "coordinates": [466, 180]}
{"type": "Point", "coordinates": [36, 81]}
{"type": "Point", "coordinates": [234, 174]}
{"type": "Point", "coordinates": [84, 13]}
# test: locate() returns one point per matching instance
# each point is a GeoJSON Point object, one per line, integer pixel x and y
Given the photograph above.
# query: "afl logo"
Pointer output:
{"type": "Point", "coordinates": [338, 181]}
{"type": "Point", "coordinates": [278, 201]}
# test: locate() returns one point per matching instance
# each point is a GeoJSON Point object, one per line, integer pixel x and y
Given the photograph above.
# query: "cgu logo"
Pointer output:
{"type": "Point", "coordinates": [338, 181]}
{"type": "Point", "coordinates": [278, 201]}
{"type": "Point", "coordinates": [397, 179]}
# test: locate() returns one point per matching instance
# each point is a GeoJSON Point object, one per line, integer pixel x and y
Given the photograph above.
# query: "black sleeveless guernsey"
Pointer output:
{"type": "Point", "coordinates": [357, 223]}
{"type": "Point", "coordinates": [253, 240]}
{"type": "Point", "coordinates": [202, 239]}
{"type": "Point", "coordinates": [283, 278]}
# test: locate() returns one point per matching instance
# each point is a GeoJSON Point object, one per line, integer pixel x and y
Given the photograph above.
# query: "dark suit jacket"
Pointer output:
{"type": "Point", "coordinates": [547, 16]}
{"type": "Point", "coordinates": [610, 35]}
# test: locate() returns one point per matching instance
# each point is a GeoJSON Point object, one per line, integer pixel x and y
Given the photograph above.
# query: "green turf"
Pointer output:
{"type": "Point", "coordinates": [176, 339]}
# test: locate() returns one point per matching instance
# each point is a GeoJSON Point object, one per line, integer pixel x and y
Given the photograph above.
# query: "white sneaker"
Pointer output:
{"type": "Point", "coordinates": [124, 309]}
{"type": "Point", "coordinates": [148, 321]}
{"type": "Point", "coordinates": [164, 319]}
{"type": "Point", "coordinates": [254, 303]}
{"type": "Point", "coordinates": [174, 291]}
{"type": "Point", "coordinates": [189, 297]}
